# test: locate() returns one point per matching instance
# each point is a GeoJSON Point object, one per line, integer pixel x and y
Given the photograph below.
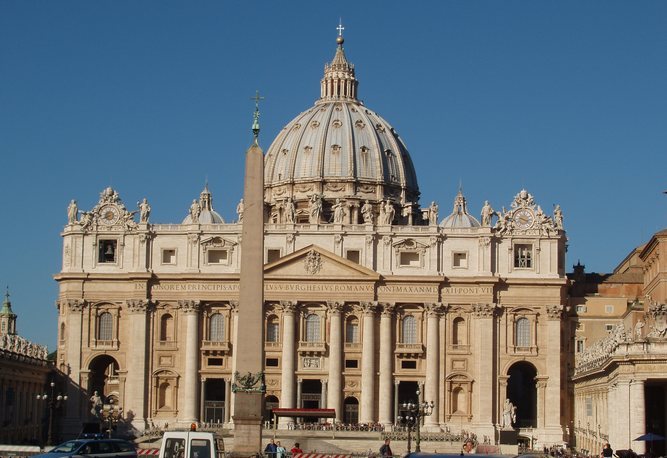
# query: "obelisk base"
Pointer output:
{"type": "Point", "coordinates": [247, 424]}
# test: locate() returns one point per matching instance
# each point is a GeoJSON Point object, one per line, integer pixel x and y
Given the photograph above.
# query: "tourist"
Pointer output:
{"type": "Point", "coordinates": [270, 450]}
{"type": "Point", "coordinates": [468, 447]}
{"type": "Point", "coordinates": [296, 449]}
{"type": "Point", "coordinates": [607, 451]}
{"type": "Point", "coordinates": [280, 450]}
{"type": "Point", "coordinates": [385, 450]}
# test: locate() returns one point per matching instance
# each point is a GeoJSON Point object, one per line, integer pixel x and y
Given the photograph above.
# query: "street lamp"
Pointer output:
{"type": "Point", "coordinates": [53, 402]}
{"type": "Point", "coordinates": [412, 413]}
{"type": "Point", "coordinates": [111, 414]}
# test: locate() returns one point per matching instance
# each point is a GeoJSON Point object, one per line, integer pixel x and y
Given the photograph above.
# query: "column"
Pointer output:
{"type": "Point", "coordinates": [228, 397]}
{"type": "Point", "coordinates": [484, 344]}
{"type": "Point", "coordinates": [396, 383]}
{"type": "Point", "coordinates": [541, 386]}
{"type": "Point", "coordinates": [299, 384]}
{"type": "Point", "coordinates": [637, 414]}
{"type": "Point", "coordinates": [432, 312]}
{"type": "Point", "coordinates": [202, 398]}
{"type": "Point", "coordinates": [552, 416]}
{"type": "Point", "coordinates": [368, 363]}
{"type": "Point", "coordinates": [188, 395]}
{"type": "Point", "coordinates": [386, 372]}
{"type": "Point", "coordinates": [288, 358]}
{"type": "Point", "coordinates": [323, 394]}
{"type": "Point", "coordinates": [335, 391]}
{"type": "Point", "coordinates": [137, 379]}
{"type": "Point", "coordinates": [77, 401]}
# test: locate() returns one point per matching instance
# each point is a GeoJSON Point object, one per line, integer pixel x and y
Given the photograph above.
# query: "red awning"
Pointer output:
{"type": "Point", "coordinates": [315, 413]}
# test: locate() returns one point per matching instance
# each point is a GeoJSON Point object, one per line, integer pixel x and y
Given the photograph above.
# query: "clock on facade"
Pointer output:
{"type": "Point", "coordinates": [524, 218]}
{"type": "Point", "coordinates": [109, 215]}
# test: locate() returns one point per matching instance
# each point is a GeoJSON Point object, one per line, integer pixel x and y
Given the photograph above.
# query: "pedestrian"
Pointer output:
{"type": "Point", "coordinates": [468, 447]}
{"type": "Point", "coordinates": [296, 449]}
{"type": "Point", "coordinates": [607, 451]}
{"type": "Point", "coordinates": [270, 449]}
{"type": "Point", "coordinates": [280, 450]}
{"type": "Point", "coordinates": [385, 450]}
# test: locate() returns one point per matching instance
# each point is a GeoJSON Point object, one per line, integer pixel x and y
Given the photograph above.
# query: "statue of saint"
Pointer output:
{"type": "Point", "coordinates": [72, 212]}
{"type": "Point", "coordinates": [96, 403]}
{"type": "Point", "coordinates": [240, 208]}
{"type": "Point", "coordinates": [367, 212]}
{"type": "Point", "coordinates": [558, 217]}
{"type": "Point", "coordinates": [315, 208]}
{"type": "Point", "coordinates": [144, 211]}
{"type": "Point", "coordinates": [509, 414]}
{"type": "Point", "coordinates": [195, 211]}
{"type": "Point", "coordinates": [487, 214]}
{"type": "Point", "coordinates": [433, 214]}
{"type": "Point", "coordinates": [339, 212]}
{"type": "Point", "coordinates": [389, 212]}
{"type": "Point", "coordinates": [290, 211]}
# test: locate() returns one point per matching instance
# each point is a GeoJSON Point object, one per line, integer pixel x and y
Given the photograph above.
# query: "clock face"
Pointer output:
{"type": "Point", "coordinates": [109, 215]}
{"type": "Point", "coordinates": [524, 218]}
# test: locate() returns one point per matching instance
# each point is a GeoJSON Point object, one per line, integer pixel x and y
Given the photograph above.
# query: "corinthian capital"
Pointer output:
{"type": "Point", "coordinates": [484, 310]}
{"type": "Point", "coordinates": [387, 308]}
{"type": "Point", "coordinates": [288, 306]}
{"type": "Point", "coordinates": [137, 305]}
{"type": "Point", "coordinates": [335, 307]}
{"type": "Point", "coordinates": [432, 308]}
{"type": "Point", "coordinates": [554, 312]}
{"type": "Point", "coordinates": [368, 308]}
{"type": "Point", "coordinates": [73, 305]}
{"type": "Point", "coordinates": [189, 306]}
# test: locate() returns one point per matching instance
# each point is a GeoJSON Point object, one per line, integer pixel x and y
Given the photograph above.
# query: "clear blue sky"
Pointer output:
{"type": "Point", "coordinates": [565, 98]}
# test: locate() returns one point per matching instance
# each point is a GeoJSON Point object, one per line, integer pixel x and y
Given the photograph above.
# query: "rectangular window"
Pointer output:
{"type": "Point", "coordinates": [169, 256]}
{"type": "Point", "coordinates": [351, 364]}
{"type": "Point", "coordinates": [353, 255]}
{"type": "Point", "coordinates": [581, 309]}
{"type": "Point", "coordinates": [218, 256]}
{"type": "Point", "coordinates": [523, 256]}
{"type": "Point", "coordinates": [214, 361]}
{"type": "Point", "coordinates": [271, 362]}
{"type": "Point", "coordinates": [272, 255]}
{"type": "Point", "coordinates": [608, 327]}
{"type": "Point", "coordinates": [580, 346]}
{"type": "Point", "coordinates": [608, 309]}
{"type": "Point", "coordinates": [408, 364]}
{"type": "Point", "coordinates": [107, 251]}
{"type": "Point", "coordinates": [409, 259]}
{"type": "Point", "coordinates": [460, 260]}
{"type": "Point", "coordinates": [589, 407]}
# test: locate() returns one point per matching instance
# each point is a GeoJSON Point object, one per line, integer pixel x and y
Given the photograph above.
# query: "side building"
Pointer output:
{"type": "Point", "coordinates": [369, 298]}
{"type": "Point", "coordinates": [620, 363]}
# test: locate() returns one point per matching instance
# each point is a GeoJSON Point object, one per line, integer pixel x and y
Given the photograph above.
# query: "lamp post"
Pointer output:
{"type": "Point", "coordinates": [110, 414]}
{"type": "Point", "coordinates": [412, 413]}
{"type": "Point", "coordinates": [53, 401]}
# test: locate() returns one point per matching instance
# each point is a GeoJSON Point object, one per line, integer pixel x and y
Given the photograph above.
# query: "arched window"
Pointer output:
{"type": "Point", "coordinates": [313, 328]}
{"type": "Point", "coordinates": [459, 331]}
{"type": "Point", "coordinates": [272, 329]}
{"type": "Point", "coordinates": [522, 332]}
{"type": "Point", "coordinates": [352, 330]}
{"type": "Point", "coordinates": [105, 326]}
{"type": "Point", "coordinates": [166, 327]}
{"type": "Point", "coordinates": [216, 330]}
{"type": "Point", "coordinates": [409, 333]}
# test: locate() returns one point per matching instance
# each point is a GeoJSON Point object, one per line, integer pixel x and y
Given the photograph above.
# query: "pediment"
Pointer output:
{"type": "Point", "coordinates": [217, 242]}
{"type": "Point", "coordinates": [316, 262]}
{"type": "Point", "coordinates": [409, 244]}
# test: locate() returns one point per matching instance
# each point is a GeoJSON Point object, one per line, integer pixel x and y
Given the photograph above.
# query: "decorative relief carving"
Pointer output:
{"type": "Point", "coordinates": [335, 307]}
{"type": "Point", "coordinates": [338, 239]}
{"type": "Point", "coordinates": [484, 241]}
{"type": "Point", "coordinates": [386, 240]}
{"type": "Point", "coordinates": [310, 362]}
{"type": "Point", "coordinates": [336, 123]}
{"type": "Point", "coordinates": [303, 187]}
{"type": "Point", "coordinates": [289, 238]}
{"type": "Point", "coordinates": [315, 124]}
{"type": "Point", "coordinates": [335, 187]}
{"type": "Point", "coordinates": [137, 305]}
{"type": "Point", "coordinates": [370, 239]}
{"type": "Point", "coordinates": [658, 318]}
{"type": "Point", "coordinates": [249, 383]}
{"type": "Point", "coordinates": [189, 306]}
{"type": "Point", "coordinates": [313, 262]}
{"type": "Point", "coordinates": [379, 128]}
{"type": "Point", "coordinates": [365, 188]}
{"type": "Point", "coordinates": [526, 217]}
{"type": "Point", "coordinates": [359, 124]}
{"type": "Point", "coordinates": [368, 308]}
{"type": "Point", "coordinates": [75, 305]}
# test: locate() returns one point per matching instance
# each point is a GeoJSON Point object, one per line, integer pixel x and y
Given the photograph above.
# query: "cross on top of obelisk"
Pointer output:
{"type": "Point", "coordinates": [255, 116]}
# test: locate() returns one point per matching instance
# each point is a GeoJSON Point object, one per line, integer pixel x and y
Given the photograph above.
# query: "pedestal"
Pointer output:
{"type": "Point", "coordinates": [508, 436]}
{"type": "Point", "coordinates": [247, 424]}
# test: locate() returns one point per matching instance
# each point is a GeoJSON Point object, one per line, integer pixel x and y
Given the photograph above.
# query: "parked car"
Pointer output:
{"type": "Point", "coordinates": [97, 448]}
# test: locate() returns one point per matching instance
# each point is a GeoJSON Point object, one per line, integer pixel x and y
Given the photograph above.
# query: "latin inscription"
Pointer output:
{"type": "Point", "coordinates": [410, 289]}
{"type": "Point", "coordinates": [269, 287]}
{"type": "Point", "coordinates": [467, 290]}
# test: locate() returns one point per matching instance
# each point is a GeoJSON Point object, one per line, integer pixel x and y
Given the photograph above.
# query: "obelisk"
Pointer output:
{"type": "Point", "coordinates": [248, 385]}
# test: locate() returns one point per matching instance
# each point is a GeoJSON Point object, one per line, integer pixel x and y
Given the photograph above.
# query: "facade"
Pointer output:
{"type": "Point", "coordinates": [620, 371]}
{"type": "Point", "coordinates": [23, 376]}
{"type": "Point", "coordinates": [369, 297]}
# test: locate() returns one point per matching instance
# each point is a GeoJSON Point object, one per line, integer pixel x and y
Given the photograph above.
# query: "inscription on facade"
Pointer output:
{"type": "Point", "coordinates": [467, 290]}
{"type": "Point", "coordinates": [410, 289]}
{"type": "Point", "coordinates": [282, 287]}
{"type": "Point", "coordinates": [192, 287]}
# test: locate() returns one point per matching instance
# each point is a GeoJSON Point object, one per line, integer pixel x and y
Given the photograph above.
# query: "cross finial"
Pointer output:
{"type": "Point", "coordinates": [340, 27]}
{"type": "Point", "coordinates": [255, 116]}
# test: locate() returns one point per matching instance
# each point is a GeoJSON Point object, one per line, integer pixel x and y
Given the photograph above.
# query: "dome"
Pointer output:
{"type": "Point", "coordinates": [339, 149]}
{"type": "Point", "coordinates": [460, 218]}
{"type": "Point", "coordinates": [202, 212]}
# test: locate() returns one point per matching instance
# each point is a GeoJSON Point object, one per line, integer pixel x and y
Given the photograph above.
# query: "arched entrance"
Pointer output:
{"type": "Point", "coordinates": [270, 402]}
{"type": "Point", "coordinates": [103, 376]}
{"type": "Point", "coordinates": [351, 411]}
{"type": "Point", "coordinates": [311, 397]}
{"type": "Point", "coordinates": [522, 391]}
